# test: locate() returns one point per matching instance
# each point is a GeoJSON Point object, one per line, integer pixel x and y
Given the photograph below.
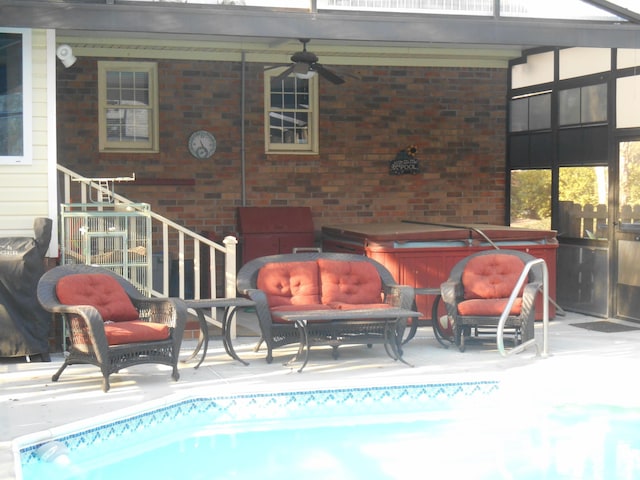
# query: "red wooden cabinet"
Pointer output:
{"type": "Point", "coordinates": [273, 230]}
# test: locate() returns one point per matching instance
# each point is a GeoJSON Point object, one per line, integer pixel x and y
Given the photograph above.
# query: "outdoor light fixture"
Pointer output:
{"type": "Point", "coordinates": [306, 76]}
{"type": "Point", "coordinates": [65, 54]}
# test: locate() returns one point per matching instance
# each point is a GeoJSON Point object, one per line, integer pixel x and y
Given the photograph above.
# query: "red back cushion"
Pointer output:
{"type": "Point", "coordinates": [100, 291]}
{"type": "Point", "coordinates": [349, 282]}
{"type": "Point", "coordinates": [290, 283]}
{"type": "Point", "coordinates": [491, 276]}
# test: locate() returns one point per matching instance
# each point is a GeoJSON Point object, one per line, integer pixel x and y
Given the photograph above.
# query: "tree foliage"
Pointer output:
{"type": "Point", "coordinates": [630, 173]}
{"type": "Point", "coordinates": [531, 194]}
{"type": "Point", "coordinates": [579, 185]}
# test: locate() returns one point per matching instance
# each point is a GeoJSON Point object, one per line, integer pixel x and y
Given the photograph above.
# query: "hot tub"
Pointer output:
{"type": "Point", "coordinates": [423, 254]}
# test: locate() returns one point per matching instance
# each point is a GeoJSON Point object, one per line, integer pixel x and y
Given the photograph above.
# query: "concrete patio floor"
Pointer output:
{"type": "Point", "coordinates": [582, 364]}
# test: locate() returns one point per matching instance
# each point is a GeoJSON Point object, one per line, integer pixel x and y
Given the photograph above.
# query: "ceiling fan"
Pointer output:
{"type": "Point", "coordinates": [305, 63]}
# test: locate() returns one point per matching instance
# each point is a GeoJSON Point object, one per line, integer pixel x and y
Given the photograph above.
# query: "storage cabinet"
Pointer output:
{"type": "Point", "coordinates": [273, 230]}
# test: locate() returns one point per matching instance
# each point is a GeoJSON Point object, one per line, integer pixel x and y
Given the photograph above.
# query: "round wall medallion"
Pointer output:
{"type": "Point", "coordinates": [202, 144]}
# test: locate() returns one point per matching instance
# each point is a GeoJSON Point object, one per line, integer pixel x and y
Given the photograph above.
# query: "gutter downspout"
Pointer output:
{"type": "Point", "coordinates": [243, 187]}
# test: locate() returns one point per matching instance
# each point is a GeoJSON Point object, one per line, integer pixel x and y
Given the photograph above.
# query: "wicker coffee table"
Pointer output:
{"type": "Point", "coordinates": [392, 318]}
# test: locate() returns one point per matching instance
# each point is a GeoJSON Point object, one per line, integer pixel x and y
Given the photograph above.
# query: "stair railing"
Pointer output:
{"type": "Point", "coordinates": [176, 242]}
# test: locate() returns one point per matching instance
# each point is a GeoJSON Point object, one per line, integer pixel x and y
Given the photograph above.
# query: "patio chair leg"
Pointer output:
{"type": "Point", "coordinates": [175, 375]}
{"type": "Point", "coordinates": [105, 384]}
{"type": "Point", "coordinates": [56, 375]}
{"type": "Point", "coordinates": [460, 334]}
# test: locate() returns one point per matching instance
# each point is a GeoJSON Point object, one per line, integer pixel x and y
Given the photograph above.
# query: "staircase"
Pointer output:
{"type": "Point", "coordinates": [213, 271]}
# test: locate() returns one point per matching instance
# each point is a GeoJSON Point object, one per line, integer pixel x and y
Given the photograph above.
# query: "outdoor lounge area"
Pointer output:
{"type": "Point", "coordinates": [584, 364]}
{"type": "Point", "coordinates": [321, 212]}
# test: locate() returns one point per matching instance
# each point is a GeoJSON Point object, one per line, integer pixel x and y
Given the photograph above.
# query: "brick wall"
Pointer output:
{"type": "Point", "coordinates": [456, 116]}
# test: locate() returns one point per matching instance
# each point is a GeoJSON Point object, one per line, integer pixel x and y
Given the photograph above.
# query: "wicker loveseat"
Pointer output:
{"type": "Point", "coordinates": [109, 322]}
{"type": "Point", "coordinates": [340, 288]}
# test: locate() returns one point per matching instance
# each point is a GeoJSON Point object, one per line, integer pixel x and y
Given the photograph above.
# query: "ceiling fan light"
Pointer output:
{"type": "Point", "coordinates": [306, 76]}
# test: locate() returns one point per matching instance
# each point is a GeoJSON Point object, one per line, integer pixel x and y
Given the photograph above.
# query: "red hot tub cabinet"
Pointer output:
{"type": "Point", "coordinates": [423, 255]}
{"type": "Point", "coordinates": [272, 230]}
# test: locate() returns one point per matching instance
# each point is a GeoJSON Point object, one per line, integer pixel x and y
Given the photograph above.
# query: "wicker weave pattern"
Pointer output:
{"type": "Point", "coordinates": [88, 342]}
{"type": "Point", "coordinates": [350, 329]}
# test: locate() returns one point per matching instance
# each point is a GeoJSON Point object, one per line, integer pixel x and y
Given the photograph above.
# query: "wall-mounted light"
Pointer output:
{"type": "Point", "coordinates": [65, 54]}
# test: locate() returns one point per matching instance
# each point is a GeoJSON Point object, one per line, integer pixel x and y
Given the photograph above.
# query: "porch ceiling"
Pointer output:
{"type": "Point", "coordinates": [338, 37]}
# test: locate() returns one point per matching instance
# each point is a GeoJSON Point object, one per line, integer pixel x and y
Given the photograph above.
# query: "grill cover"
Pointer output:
{"type": "Point", "coordinates": [24, 324]}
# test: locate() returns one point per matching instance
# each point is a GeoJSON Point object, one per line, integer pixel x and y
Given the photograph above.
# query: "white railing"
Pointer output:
{"type": "Point", "coordinates": [545, 312]}
{"type": "Point", "coordinates": [177, 246]}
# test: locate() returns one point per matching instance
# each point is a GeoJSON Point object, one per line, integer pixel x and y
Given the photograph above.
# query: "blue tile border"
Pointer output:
{"type": "Point", "coordinates": [259, 407]}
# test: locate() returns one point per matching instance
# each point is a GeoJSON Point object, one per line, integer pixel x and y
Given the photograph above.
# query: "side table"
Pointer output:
{"type": "Point", "coordinates": [435, 321]}
{"type": "Point", "coordinates": [230, 306]}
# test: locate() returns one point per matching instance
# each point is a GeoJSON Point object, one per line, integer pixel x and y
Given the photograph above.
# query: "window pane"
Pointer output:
{"type": "Point", "coordinates": [128, 125]}
{"type": "Point", "coordinates": [540, 112]}
{"type": "Point", "coordinates": [11, 95]}
{"type": "Point", "coordinates": [629, 184]}
{"type": "Point", "coordinates": [519, 115]}
{"type": "Point", "coordinates": [580, 61]}
{"type": "Point", "coordinates": [531, 199]}
{"type": "Point", "coordinates": [594, 103]}
{"type": "Point", "coordinates": [291, 127]}
{"type": "Point", "coordinates": [583, 202]}
{"type": "Point", "coordinates": [289, 112]}
{"type": "Point", "coordinates": [141, 80]}
{"type": "Point", "coordinates": [583, 105]}
{"type": "Point", "coordinates": [569, 107]}
{"type": "Point", "coordinates": [627, 101]}
{"type": "Point", "coordinates": [113, 79]}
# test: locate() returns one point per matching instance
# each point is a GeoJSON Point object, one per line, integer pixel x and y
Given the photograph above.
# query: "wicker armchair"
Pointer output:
{"type": "Point", "coordinates": [478, 289]}
{"type": "Point", "coordinates": [145, 330]}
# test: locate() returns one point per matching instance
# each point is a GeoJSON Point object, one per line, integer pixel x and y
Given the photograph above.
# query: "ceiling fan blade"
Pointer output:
{"type": "Point", "coordinates": [328, 74]}
{"type": "Point", "coordinates": [278, 65]}
{"type": "Point", "coordinates": [285, 73]}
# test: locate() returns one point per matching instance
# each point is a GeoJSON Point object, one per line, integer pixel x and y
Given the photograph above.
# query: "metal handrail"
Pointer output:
{"type": "Point", "coordinates": [461, 227]}
{"type": "Point", "coordinates": [545, 312]}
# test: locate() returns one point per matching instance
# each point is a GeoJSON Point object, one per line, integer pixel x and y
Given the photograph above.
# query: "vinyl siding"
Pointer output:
{"type": "Point", "coordinates": [24, 188]}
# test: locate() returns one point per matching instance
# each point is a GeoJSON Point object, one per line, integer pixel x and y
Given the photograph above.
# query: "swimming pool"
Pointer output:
{"type": "Point", "coordinates": [447, 429]}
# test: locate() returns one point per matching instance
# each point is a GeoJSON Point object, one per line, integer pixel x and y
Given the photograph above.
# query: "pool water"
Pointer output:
{"type": "Point", "coordinates": [446, 430]}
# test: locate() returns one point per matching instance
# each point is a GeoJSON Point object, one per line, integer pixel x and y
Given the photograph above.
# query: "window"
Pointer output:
{"type": "Point", "coordinates": [531, 112]}
{"type": "Point", "coordinates": [128, 102]}
{"type": "Point", "coordinates": [583, 105]}
{"type": "Point", "coordinates": [291, 113]}
{"type": "Point", "coordinates": [531, 199]}
{"type": "Point", "coordinates": [15, 97]}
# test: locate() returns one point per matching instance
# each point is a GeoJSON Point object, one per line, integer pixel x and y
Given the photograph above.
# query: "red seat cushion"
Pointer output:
{"type": "Point", "coordinates": [346, 282]}
{"type": "Point", "coordinates": [492, 307]}
{"type": "Point", "coordinates": [100, 291]}
{"type": "Point", "coordinates": [289, 283]}
{"type": "Point", "coordinates": [491, 276]}
{"type": "Point", "coordinates": [135, 331]}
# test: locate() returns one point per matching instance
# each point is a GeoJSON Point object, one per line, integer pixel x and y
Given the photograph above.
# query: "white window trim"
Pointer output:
{"type": "Point", "coordinates": [309, 148]}
{"type": "Point", "coordinates": [27, 102]}
{"type": "Point", "coordinates": [122, 66]}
